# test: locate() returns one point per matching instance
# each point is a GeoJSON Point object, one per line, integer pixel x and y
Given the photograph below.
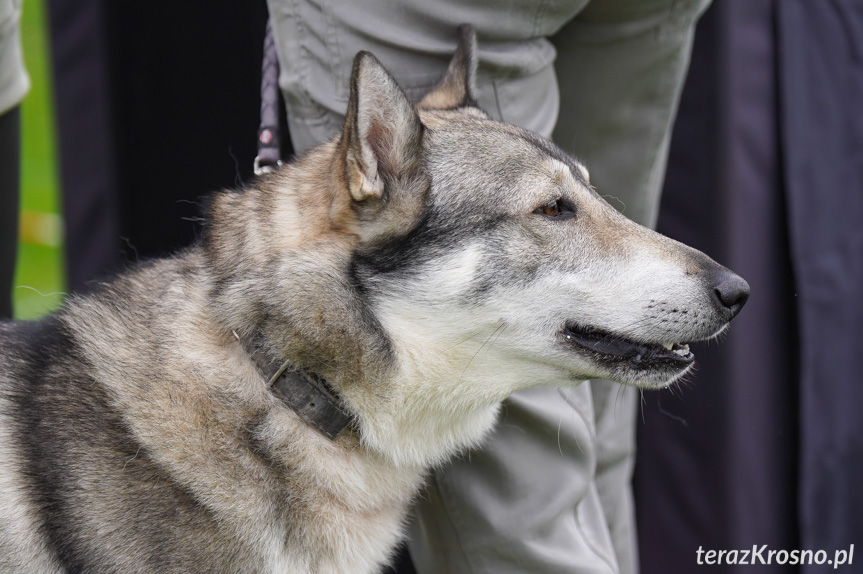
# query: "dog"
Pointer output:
{"type": "Point", "coordinates": [270, 399]}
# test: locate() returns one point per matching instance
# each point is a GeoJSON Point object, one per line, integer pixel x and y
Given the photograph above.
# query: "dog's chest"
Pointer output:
{"type": "Point", "coordinates": [335, 542]}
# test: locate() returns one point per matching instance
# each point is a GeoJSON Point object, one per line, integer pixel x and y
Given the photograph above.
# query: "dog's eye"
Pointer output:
{"type": "Point", "coordinates": [556, 209]}
{"type": "Point", "coordinates": [550, 209]}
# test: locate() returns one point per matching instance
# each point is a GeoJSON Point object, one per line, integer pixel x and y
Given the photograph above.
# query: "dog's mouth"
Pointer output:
{"type": "Point", "coordinates": [606, 346]}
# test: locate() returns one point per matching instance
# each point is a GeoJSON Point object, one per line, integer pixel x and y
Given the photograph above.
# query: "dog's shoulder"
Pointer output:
{"type": "Point", "coordinates": [27, 346]}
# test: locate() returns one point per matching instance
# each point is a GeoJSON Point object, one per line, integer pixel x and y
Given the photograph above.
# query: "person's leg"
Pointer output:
{"type": "Point", "coordinates": [620, 68]}
{"type": "Point", "coordinates": [526, 496]}
{"type": "Point", "coordinates": [14, 84]}
{"type": "Point", "coordinates": [414, 40]}
{"type": "Point", "coordinates": [87, 172]}
{"type": "Point", "coordinates": [526, 501]}
{"type": "Point", "coordinates": [10, 132]}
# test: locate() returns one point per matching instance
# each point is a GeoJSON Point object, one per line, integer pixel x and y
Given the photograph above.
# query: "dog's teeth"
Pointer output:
{"type": "Point", "coordinates": [668, 345]}
{"type": "Point", "coordinates": [682, 350]}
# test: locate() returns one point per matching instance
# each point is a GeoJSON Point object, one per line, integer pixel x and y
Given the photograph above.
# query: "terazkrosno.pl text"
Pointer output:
{"type": "Point", "coordinates": [763, 555]}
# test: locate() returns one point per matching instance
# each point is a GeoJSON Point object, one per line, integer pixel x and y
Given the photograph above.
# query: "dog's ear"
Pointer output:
{"type": "Point", "coordinates": [381, 152]}
{"type": "Point", "coordinates": [382, 135]}
{"type": "Point", "coordinates": [457, 88]}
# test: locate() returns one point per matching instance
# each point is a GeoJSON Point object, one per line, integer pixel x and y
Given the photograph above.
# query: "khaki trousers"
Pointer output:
{"type": "Point", "coordinates": [550, 490]}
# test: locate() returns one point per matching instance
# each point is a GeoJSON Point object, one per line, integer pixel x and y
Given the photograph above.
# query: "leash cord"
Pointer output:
{"type": "Point", "coordinates": [268, 157]}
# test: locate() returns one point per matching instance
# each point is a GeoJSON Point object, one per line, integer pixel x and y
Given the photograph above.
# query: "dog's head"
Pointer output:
{"type": "Point", "coordinates": [482, 235]}
{"type": "Point", "coordinates": [430, 254]}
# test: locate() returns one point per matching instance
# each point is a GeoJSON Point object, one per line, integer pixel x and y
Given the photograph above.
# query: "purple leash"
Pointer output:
{"type": "Point", "coordinates": [268, 158]}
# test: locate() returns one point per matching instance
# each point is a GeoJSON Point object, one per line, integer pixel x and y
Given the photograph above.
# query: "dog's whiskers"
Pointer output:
{"type": "Point", "coordinates": [670, 415]}
{"type": "Point", "coordinates": [498, 331]}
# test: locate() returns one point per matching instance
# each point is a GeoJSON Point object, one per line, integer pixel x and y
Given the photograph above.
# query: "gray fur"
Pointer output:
{"type": "Point", "coordinates": [410, 262]}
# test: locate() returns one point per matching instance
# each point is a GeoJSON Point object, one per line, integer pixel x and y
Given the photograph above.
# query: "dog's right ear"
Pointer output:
{"type": "Point", "coordinates": [457, 88]}
{"type": "Point", "coordinates": [381, 153]}
{"type": "Point", "coordinates": [382, 136]}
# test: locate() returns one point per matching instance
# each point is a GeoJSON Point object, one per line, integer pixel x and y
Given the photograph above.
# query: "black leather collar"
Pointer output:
{"type": "Point", "coordinates": [304, 392]}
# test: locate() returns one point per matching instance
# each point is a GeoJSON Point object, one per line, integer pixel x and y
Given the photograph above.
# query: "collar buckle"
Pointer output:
{"type": "Point", "coordinates": [311, 398]}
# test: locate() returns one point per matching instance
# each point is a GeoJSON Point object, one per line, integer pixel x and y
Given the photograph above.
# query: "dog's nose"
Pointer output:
{"type": "Point", "coordinates": [730, 292]}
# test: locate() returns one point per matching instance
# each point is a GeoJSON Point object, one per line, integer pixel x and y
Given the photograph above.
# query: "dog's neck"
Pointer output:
{"type": "Point", "coordinates": [395, 428]}
{"type": "Point", "coordinates": [304, 392]}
